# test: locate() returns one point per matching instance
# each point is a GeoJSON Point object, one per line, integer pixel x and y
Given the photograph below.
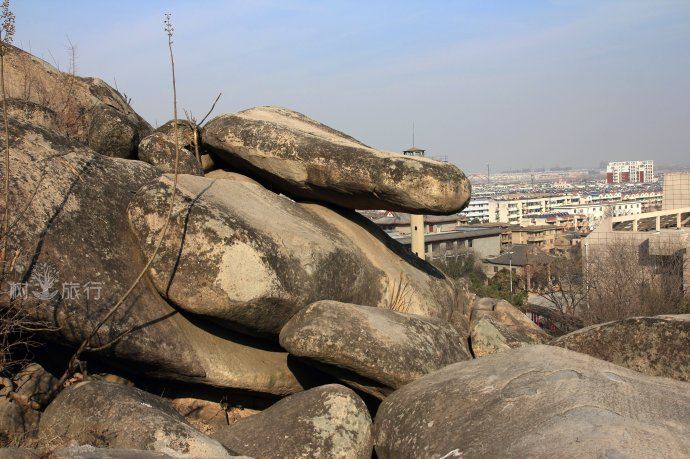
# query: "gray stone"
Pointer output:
{"type": "Point", "coordinates": [31, 112]}
{"type": "Point", "coordinates": [73, 208]}
{"type": "Point", "coordinates": [18, 453]}
{"type": "Point", "coordinates": [19, 422]}
{"type": "Point", "coordinates": [539, 401]}
{"type": "Point", "coordinates": [327, 421]}
{"type": "Point", "coordinates": [86, 109]}
{"type": "Point", "coordinates": [498, 325]}
{"type": "Point", "coordinates": [91, 452]}
{"type": "Point", "coordinates": [113, 416]}
{"type": "Point", "coordinates": [250, 259]}
{"type": "Point", "coordinates": [158, 149]}
{"type": "Point", "coordinates": [112, 133]}
{"type": "Point", "coordinates": [389, 347]}
{"type": "Point", "coordinates": [657, 346]}
{"type": "Point", "coordinates": [306, 159]}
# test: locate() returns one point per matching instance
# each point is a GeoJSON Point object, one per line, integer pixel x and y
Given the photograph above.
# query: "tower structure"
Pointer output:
{"type": "Point", "coordinates": [416, 221]}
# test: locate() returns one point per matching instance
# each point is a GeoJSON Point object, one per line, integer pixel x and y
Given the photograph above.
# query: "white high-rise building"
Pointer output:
{"type": "Point", "coordinates": [630, 171]}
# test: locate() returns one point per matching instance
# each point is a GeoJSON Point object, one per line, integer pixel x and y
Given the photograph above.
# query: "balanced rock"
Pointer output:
{"type": "Point", "coordinates": [86, 109]}
{"type": "Point", "coordinates": [539, 401]}
{"type": "Point", "coordinates": [250, 259]}
{"type": "Point", "coordinates": [158, 148]}
{"type": "Point", "coordinates": [657, 346]}
{"type": "Point", "coordinates": [498, 326]}
{"type": "Point", "coordinates": [327, 421]}
{"type": "Point", "coordinates": [306, 159]}
{"type": "Point", "coordinates": [69, 271]}
{"type": "Point", "coordinates": [114, 416]}
{"type": "Point", "coordinates": [381, 345]}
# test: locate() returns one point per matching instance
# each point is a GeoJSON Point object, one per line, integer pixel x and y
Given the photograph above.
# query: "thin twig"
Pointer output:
{"type": "Point", "coordinates": [74, 360]}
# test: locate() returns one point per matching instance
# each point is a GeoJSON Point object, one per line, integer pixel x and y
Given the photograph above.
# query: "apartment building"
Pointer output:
{"type": "Point", "coordinates": [630, 171]}
{"type": "Point", "coordinates": [597, 211]}
{"type": "Point", "coordinates": [565, 220]}
{"type": "Point", "coordinates": [542, 237]}
{"type": "Point", "coordinates": [513, 208]}
{"type": "Point", "coordinates": [477, 211]}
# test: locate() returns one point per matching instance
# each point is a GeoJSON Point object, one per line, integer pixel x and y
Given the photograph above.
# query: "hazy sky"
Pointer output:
{"type": "Point", "coordinates": [513, 83]}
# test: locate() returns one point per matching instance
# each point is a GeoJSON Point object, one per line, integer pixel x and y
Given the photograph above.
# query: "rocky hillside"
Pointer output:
{"type": "Point", "coordinates": [243, 308]}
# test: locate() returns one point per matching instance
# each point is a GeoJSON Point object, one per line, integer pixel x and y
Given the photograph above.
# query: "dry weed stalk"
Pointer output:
{"type": "Point", "coordinates": [85, 346]}
{"type": "Point", "coordinates": [6, 36]}
{"type": "Point", "coordinates": [399, 298]}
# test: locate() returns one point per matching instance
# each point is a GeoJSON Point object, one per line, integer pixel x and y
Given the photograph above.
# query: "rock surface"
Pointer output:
{"type": "Point", "coordinates": [657, 346]}
{"type": "Point", "coordinates": [32, 113]}
{"type": "Point", "coordinates": [18, 453]}
{"type": "Point", "coordinates": [327, 421]}
{"type": "Point", "coordinates": [251, 259]}
{"type": "Point", "coordinates": [19, 424]}
{"type": "Point", "coordinates": [497, 326]}
{"type": "Point", "coordinates": [389, 347]}
{"type": "Point", "coordinates": [306, 159]}
{"type": "Point", "coordinates": [74, 233]}
{"type": "Point", "coordinates": [91, 452]}
{"type": "Point", "coordinates": [539, 401]}
{"type": "Point", "coordinates": [86, 109]}
{"type": "Point", "coordinates": [158, 148]}
{"type": "Point", "coordinates": [113, 416]}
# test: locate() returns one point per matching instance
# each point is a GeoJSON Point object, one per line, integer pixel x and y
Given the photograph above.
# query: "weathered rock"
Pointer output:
{"type": "Point", "coordinates": [306, 159]}
{"type": "Point", "coordinates": [113, 416]}
{"type": "Point", "coordinates": [208, 164]}
{"type": "Point", "coordinates": [87, 109]}
{"type": "Point", "coordinates": [228, 175]}
{"type": "Point", "coordinates": [327, 421]}
{"type": "Point", "coordinates": [389, 347]}
{"type": "Point", "coordinates": [18, 422]}
{"type": "Point", "coordinates": [18, 453]}
{"type": "Point", "coordinates": [91, 452]}
{"type": "Point", "coordinates": [657, 346]}
{"type": "Point", "coordinates": [74, 229]}
{"type": "Point", "coordinates": [540, 401]}
{"type": "Point", "coordinates": [207, 416]}
{"type": "Point", "coordinates": [250, 258]}
{"type": "Point", "coordinates": [158, 149]}
{"type": "Point", "coordinates": [31, 112]}
{"type": "Point", "coordinates": [497, 325]}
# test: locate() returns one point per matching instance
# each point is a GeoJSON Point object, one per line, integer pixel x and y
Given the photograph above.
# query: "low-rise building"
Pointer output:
{"type": "Point", "coordinates": [399, 223]}
{"type": "Point", "coordinates": [565, 220]}
{"type": "Point", "coordinates": [484, 242]}
{"type": "Point", "coordinates": [521, 260]}
{"type": "Point", "coordinates": [597, 211]}
{"type": "Point", "coordinates": [542, 237]}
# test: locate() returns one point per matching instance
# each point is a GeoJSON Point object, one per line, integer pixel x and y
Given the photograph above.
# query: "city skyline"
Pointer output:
{"type": "Point", "coordinates": [534, 85]}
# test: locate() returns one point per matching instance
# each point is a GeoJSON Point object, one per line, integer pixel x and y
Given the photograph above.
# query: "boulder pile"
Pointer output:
{"type": "Point", "coordinates": [244, 308]}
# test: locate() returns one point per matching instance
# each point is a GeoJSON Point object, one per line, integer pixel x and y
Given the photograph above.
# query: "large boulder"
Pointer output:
{"type": "Point", "coordinates": [657, 346]}
{"type": "Point", "coordinates": [74, 255]}
{"type": "Point", "coordinates": [91, 452]}
{"type": "Point", "coordinates": [381, 345]}
{"type": "Point", "coordinates": [250, 259]}
{"type": "Point", "coordinates": [158, 148]}
{"type": "Point", "coordinates": [540, 401]}
{"type": "Point", "coordinates": [18, 420]}
{"type": "Point", "coordinates": [86, 109]}
{"type": "Point", "coordinates": [306, 159]}
{"type": "Point", "coordinates": [327, 421]}
{"type": "Point", "coordinates": [498, 326]}
{"type": "Point", "coordinates": [114, 416]}
{"type": "Point", "coordinates": [32, 113]}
